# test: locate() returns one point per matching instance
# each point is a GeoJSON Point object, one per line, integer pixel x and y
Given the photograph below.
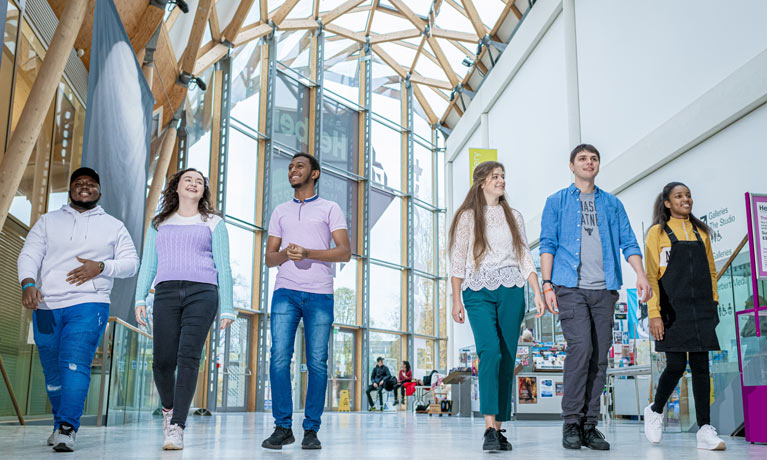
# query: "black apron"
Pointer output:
{"type": "Point", "coordinates": [687, 299]}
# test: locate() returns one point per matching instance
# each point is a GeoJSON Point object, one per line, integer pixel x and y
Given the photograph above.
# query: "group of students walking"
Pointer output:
{"type": "Point", "coordinates": [583, 231]}
{"type": "Point", "coordinates": [72, 255]}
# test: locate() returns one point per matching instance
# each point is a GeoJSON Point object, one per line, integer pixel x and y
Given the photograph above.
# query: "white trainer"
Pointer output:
{"type": "Point", "coordinates": [166, 416]}
{"type": "Point", "coordinates": [653, 425]}
{"type": "Point", "coordinates": [64, 440]}
{"type": "Point", "coordinates": [708, 439]}
{"type": "Point", "coordinates": [51, 437]}
{"type": "Point", "coordinates": [174, 439]}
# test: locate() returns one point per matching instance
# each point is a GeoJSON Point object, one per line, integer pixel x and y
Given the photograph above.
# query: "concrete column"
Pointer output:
{"type": "Point", "coordinates": [571, 74]}
{"type": "Point", "coordinates": [33, 115]}
{"type": "Point", "coordinates": [484, 130]}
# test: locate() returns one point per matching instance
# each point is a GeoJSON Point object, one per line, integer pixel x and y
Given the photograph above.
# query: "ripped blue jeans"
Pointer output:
{"type": "Point", "coordinates": [67, 339]}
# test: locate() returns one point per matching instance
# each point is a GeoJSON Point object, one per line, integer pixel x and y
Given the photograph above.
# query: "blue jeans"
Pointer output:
{"type": "Point", "coordinates": [67, 339]}
{"type": "Point", "coordinates": [288, 307]}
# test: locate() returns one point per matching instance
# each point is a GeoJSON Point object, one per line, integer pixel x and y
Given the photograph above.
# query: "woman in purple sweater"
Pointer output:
{"type": "Point", "coordinates": [186, 255]}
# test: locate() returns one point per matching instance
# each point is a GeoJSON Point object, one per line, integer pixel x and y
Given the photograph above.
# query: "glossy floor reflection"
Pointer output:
{"type": "Point", "coordinates": [358, 436]}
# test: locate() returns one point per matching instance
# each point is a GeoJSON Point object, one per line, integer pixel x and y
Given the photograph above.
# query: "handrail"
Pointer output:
{"type": "Point", "coordinates": [115, 319]}
{"type": "Point", "coordinates": [732, 257]}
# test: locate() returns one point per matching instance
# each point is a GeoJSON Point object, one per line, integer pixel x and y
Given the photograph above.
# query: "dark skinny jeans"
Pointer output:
{"type": "Point", "coordinates": [183, 313]}
{"type": "Point", "coordinates": [676, 363]}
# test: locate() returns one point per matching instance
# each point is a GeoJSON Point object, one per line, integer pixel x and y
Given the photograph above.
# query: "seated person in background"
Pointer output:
{"type": "Point", "coordinates": [404, 379]}
{"type": "Point", "coordinates": [377, 377]}
{"type": "Point", "coordinates": [526, 337]}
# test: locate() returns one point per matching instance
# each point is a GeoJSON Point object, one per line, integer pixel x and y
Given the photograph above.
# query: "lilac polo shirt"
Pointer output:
{"type": "Point", "coordinates": [308, 224]}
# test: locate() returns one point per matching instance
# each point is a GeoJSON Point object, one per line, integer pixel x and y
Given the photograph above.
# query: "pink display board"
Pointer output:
{"type": "Point", "coordinates": [758, 208]}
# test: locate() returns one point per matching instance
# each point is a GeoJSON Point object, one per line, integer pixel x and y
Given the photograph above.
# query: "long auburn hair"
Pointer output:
{"type": "Point", "coordinates": [475, 202]}
{"type": "Point", "coordinates": [661, 214]}
{"type": "Point", "coordinates": [170, 199]}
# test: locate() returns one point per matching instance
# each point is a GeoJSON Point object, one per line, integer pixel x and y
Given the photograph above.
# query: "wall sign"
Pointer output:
{"type": "Point", "coordinates": [477, 156]}
{"type": "Point", "coordinates": [758, 205]}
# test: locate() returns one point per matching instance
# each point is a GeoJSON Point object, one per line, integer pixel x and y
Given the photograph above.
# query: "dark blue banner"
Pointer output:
{"type": "Point", "coordinates": [117, 133]}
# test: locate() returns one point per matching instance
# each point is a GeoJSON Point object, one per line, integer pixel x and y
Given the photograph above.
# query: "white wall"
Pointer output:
{"type": "Point", "coordinates": [666, 91]}
{"type": "Point", "coordinates": [640, 62]}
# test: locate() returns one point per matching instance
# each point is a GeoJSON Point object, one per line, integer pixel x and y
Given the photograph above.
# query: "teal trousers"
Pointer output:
{"type": "Point", "coordinates": [495, 318]}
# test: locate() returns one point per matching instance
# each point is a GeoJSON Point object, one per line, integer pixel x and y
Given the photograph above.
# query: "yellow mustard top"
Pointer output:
{"type": "Point", "coordinates": [657, 251]}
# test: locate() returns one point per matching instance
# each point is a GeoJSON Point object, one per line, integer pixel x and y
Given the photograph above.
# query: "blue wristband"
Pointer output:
{"type": "Point", "coordinates": [26, 286]}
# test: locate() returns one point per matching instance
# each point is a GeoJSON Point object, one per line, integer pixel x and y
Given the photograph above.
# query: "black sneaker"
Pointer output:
{"type": "Point", "coordinates": [594, 439]}
{"type": "Point", "coordinates": [505, 444]}
{"type": "Point", "coordinates": [571, 436]}
{"type": "Point", "coordinates": [492, 441]}
{"type": "Point", "coordinates": [310, 440]}
{"type": "Point", "coordinates": [280, 437]}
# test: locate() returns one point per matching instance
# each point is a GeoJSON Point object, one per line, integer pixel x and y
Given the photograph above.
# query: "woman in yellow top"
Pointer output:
{"type": "Point", "coordinates": [683, 308]}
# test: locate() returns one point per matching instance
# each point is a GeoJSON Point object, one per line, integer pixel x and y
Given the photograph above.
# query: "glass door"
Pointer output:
{"type": "Point", "coordinates": [234, 372]}
{"type": "Point", "coordinates": [341, 367]}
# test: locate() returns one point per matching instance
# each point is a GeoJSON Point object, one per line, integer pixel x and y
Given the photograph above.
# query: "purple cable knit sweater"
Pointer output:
{"type": "Point", "coordinates": [184, 252]}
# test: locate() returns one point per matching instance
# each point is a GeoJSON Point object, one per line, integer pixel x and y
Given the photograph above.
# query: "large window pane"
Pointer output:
{"type": "Point", "coordinates": [424, 306]}
{"type": "Point", "coordinates": [424, 177]}
{"type": "Point", "coordinates": [345, 293]}
{"type": "Point", "coordinates": [294, 49]}
{"type": "Point", "coordinates": [385, 298]}
{"type": "Point", "coordinates": [6, 68]}
{"type": "Point", "coordinates": [386, 346]}
{"type": "Point", "coordinates": [281, 191]}
{"type": "Point", "coordinates": [387, 158]}
{"type": "Point", "coordinates": [241, 173]}
{"type": "Point", "coordinates": [246, 83]}
{"type": "Point", "coordinates": [341, 66]}
{"type": "Point", "coordinates": [344, 192]}
{"type": "Point", "coordinates": [443, 242]}
{"type": "Point", "coordinates": [387, 92]}
{"type": "Point", "coordinates": [291, 114]}
{"type": "Point", "coordinates": [441, 185]}
{"type": "Point", "coordinates": [340, 136]}
{"type": "Point", "coordinates": [199, 122]}
{"type": "Point", "coordinates": [385, 221]}
{"type": "Point", "coordinates": [443, 319]}
{"type": "Point", "coordinates": [67, 145]}
{"type": "Point", "coordinates": [424, 357]}
{"type": "Point", "coordinates": [241, 258]}
{"type": "Point", "coordinates": [423, 222]}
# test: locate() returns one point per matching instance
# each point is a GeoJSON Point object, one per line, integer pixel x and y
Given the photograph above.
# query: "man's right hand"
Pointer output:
{"type": "Point", "coordinates": [656, 328]}
{"type": "Point", "coordinates": [31, 297]}
{"type": "Point", "coordinates": [551, 300]}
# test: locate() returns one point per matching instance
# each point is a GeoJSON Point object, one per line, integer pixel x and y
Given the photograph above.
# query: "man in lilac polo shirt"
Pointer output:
{"type": "Point", "coordinates": [300, 234]}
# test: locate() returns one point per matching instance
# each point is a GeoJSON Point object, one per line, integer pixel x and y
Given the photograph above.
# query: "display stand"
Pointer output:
{"type": "Point", "coordinates": [752, 342]}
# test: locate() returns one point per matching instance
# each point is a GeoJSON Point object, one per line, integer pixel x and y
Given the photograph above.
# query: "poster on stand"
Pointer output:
{"type": "Point", "coordinates": [527, 390]}
{"type": "Point", "coordinates": [759, 222]}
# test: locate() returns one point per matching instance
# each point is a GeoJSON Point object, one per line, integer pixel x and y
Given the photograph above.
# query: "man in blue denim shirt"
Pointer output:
{"type": "Point", "coordinates": [583, 230]}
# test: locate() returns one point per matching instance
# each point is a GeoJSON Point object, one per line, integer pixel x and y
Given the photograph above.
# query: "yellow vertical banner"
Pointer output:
{"type": "Point", "coordinates": [477, 156]}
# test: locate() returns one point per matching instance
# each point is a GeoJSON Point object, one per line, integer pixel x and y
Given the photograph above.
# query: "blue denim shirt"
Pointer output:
{"type": "Point", "coordinates": [561, 235]}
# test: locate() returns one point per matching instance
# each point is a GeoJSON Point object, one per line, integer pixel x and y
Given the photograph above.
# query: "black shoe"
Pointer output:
{"type": "Point", "coordinates": [492, 441]}
{"type": "Point", "coordinates": [505, 444]}
{"type": "Point", "coordinates": [594, 439]}
{"type": "Point", "coordinates": [280, 437]}
{"type": "Point", "coordinates": [310, 440]}
{"type": "Point", "coordinates": [571, 436]}
{"type": "Point", "coordinates": [396, 403]}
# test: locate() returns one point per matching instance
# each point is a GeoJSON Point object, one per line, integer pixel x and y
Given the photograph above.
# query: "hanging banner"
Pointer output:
{"type": "Point", "coordinates": [477, 156]}
{"type": "Point", "coordinates": [117, 132]}
{"type": "Point", "coordinates": [758, 205]}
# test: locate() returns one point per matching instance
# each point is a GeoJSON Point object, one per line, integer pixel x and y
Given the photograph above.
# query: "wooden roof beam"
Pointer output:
{"type": "Point", "coordinates": [416, 78]}
{"type": "Point", "coordinates": [335, 13]}
{"type": "Point", "coordinates": [453, 35]}
{"type": "Point", "coordinates": [189, 57]}
{"type": "Point", "coordinates": [419, 23]}
{"type": "Point", "coordinates": [264, 11]}
{"type": "Point", "coordinates": [284, 11]}
{"type": "Point", "coordinates": [252, 32]}
{"type": "Point", "coordinates": [394, 36]}
{"type": "Point", "coordinates": [215, 28]}
{"type": "Point", "coordinates": [299, 24]}
{"type": "Point", "coordinates": [443, 62]}
{"type": "Point", "coordinates": [235, 24]}
{"type": "Point", "coordinates": [418, 53]}
{"type": "Point", "coordinates": [476, 21]}
{"type": "Point", "coordinates": [369, 25]}
{"type": "Point", "coordinates": [425, 105]}
{"type": "Point", "coordinates": [344, 32]}
{"type": "Point", "coordinates": [401, 71]}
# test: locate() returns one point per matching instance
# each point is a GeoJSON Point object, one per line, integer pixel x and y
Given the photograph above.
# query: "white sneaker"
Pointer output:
{"type": "Point", "coordinates": [51, 437]}
{"type": "Point", "coordinates": [653, 425]}
{"type": "Point", "coordinates": [64, 440]}
{"type": "Point", "coordinates": [166, 416]}
{"type": "Point", "coordinates": [174, 438]}
{"type": "Point", "coordinates": [708, 439]}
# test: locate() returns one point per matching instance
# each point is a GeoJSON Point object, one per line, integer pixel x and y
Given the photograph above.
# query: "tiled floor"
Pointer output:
{"type": "Point", "coordinates": [358, 436]}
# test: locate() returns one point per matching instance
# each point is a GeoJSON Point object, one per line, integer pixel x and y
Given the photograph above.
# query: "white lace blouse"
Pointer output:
{"type": "Point", "coordinates": [500, 266]}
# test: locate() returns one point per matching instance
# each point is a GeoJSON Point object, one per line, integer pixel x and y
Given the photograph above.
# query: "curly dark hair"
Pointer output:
{"type": "Point", "coordinates": [170, 199]}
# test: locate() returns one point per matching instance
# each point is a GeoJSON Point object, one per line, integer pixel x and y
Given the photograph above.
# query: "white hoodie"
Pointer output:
{"type": "Point", "coordinates": [59, 237]}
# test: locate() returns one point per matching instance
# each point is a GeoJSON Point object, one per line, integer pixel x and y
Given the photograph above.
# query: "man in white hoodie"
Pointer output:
{"type": "Point", "coordinates": [66, 268]}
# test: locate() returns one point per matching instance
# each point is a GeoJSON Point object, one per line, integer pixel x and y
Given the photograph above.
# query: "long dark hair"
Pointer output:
{"type": "Point", "coordinates": [661, 214]}
{"type": "Point", "coordinates": [170, 199]}
{"type": "Point", "coordinates": [475, 202]}
{"type": "Point", "coordinates": [407, 365]}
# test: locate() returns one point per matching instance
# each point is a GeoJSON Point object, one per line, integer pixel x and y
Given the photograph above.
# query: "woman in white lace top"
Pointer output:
{"type": "Point", "coordinates": [490, 263]}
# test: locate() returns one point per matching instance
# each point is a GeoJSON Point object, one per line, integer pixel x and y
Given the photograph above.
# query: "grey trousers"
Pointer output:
{"type": "Point", "coordinates": [587, 324]}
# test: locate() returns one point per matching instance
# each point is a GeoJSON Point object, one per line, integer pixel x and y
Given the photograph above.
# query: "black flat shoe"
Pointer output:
{"type": "Point", "coordinates": [310, 440]}
{"type": "Point", "coordinates": [505, 444]}
{"type": "Point", "coordinates": [280, 437]}
{"type": "Point", "coordinates": [571, 436]}
{"type": "Point", "coordinates": [594, 439]}
{"type": "Point", "coordinates": [492, 441]}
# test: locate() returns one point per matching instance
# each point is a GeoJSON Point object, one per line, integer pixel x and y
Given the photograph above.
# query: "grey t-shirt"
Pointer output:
{"type": "Point", "coordinates": [591, 274]}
